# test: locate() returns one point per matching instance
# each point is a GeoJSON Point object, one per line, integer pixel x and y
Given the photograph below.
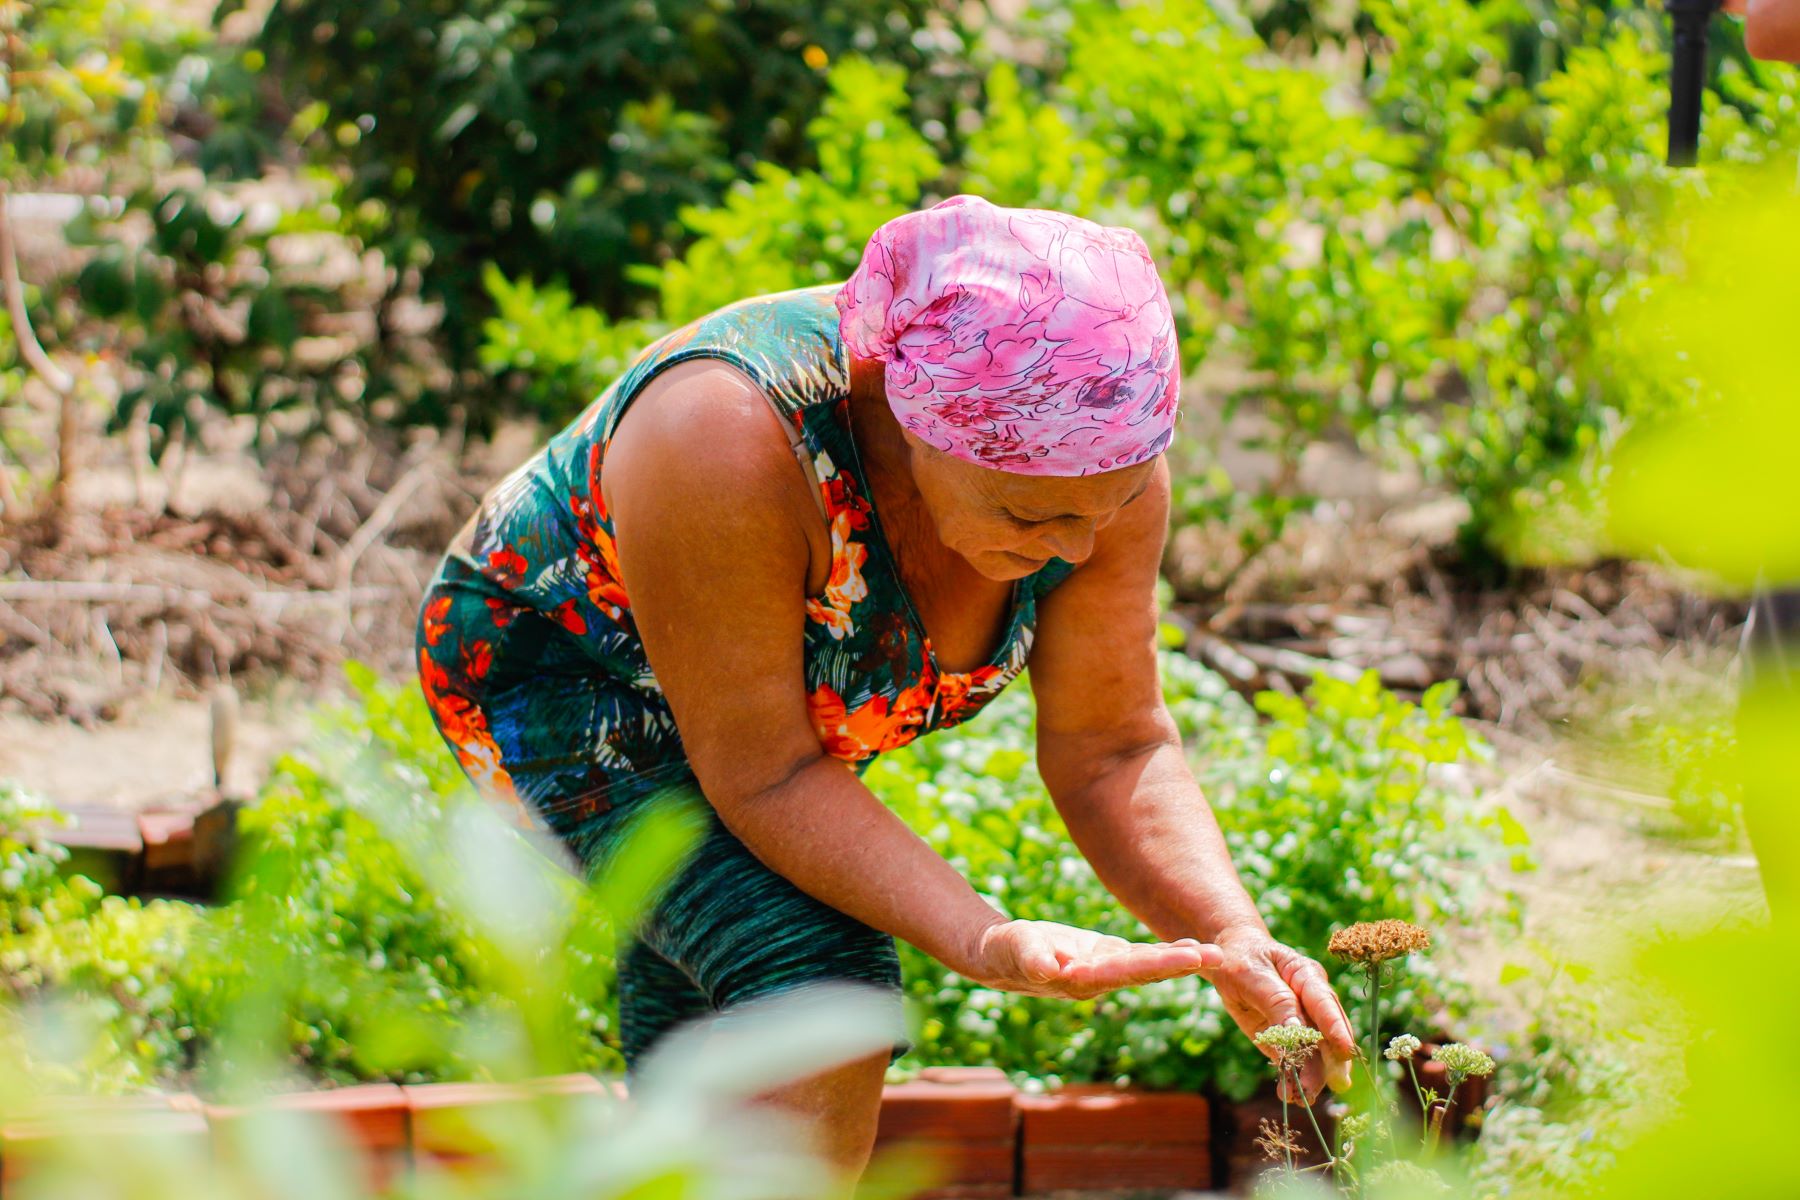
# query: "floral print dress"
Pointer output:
{"type": "Point", "coordinates": [528, 651]}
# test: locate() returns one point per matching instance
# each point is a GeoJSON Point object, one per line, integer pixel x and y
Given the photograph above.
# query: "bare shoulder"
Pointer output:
{"type": "Point", "coordinates": [702, 434]}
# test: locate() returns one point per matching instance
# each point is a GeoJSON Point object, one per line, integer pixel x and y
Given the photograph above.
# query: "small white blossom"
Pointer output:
{"type": "Point", "coordinates": [1404, 1046]}
{"type": "Point", "coordinates": [1295, 1041]}
{"type": "Point", "coordinates": [1463, 1061]}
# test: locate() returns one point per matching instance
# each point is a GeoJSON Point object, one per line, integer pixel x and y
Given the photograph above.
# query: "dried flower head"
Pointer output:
{"type": "Point", "coordinates": [1295, 1043]}
{"type": "Point", "coordinates": [1408, 1179]}
{"type": "Point", "coordinates": [1378, 941]}
{"type": "Point", "coordinates": [1463, 1061]}
{"type": "Point", "coordinates": [1275, 1141]}
{"type": "Point", "coordinates": [1404, 1046]}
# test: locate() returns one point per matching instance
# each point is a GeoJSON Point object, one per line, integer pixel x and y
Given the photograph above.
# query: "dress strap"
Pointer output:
{"type": "Point", "coordinates": [797, 443]}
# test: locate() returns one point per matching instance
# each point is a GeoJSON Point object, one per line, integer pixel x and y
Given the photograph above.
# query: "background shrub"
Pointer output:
{"type": "Point", "coordinates": [566, 141]}
{"type": "Point", "coordinates": [1334, 807]}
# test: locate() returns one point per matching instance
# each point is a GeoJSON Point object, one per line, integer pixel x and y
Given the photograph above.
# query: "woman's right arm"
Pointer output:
{"type": "Point", "coordinates": [709, 516]}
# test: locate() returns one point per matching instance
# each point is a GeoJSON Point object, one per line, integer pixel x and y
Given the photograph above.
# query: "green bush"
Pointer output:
{"type": "Point", "coordinates": [116, 961]}
{"type": "Point", "coordinates": [562, 354]}
{"type": "Point", "coordinates": [351, 860]}
{"type": "Point", "coordinates": [785, 230]}
{"type": "Point", "coordinates": [1334, 809]}
{"type": "Point", "coordinates": [346, 921]}
{"type": "Point", "coordinates": [207, 311]}
{"type": "Point", "coordinates": [566, 141]}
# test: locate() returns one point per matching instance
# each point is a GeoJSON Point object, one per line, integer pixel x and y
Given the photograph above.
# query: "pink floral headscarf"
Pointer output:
{"type": "Point", "coordinates": [1023, 339]}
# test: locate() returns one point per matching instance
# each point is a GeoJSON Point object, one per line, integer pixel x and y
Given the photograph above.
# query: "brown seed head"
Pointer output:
{"type": "Point", "coordinates": [1378, 941]}
{"type": "Point", "coordinates": [1275, 1141]}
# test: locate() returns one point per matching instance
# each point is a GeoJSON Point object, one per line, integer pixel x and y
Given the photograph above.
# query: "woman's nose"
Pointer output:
{"type": "Point", "coordinates": [1074, 542]}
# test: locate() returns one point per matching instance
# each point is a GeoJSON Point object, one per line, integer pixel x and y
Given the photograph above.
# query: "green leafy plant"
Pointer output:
{"type": "Point", "coordinates": [1329, 800]}
{"type": "Point", "coordinates": [495, 131]}
{"type": "Point", "coordinates": [208, 317]}
{"type": "Point", "coordinates": [786, 229]}
{"type": "Point", "coordinates": [691, 1128]}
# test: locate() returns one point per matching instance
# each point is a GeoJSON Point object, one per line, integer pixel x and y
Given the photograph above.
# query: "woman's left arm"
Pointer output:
{"type": "Point", "coordinates": [1112, 758]}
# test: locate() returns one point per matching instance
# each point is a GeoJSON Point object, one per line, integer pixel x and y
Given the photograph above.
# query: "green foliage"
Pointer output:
{"type": "Point", "coordinates": [211, 317]}
{"type": "Point", "coordinates": [83, 82]}
{"type": "Point", "coordinates": [785, 230]}
{"type": "Point", "coordinates": [97, 84]}
{"type": "Point", "coordinates": [1334, 810]}
{"type": "Point", "coordinates": [1259, 178]}
{"type": "Point", "coordinates": [116, 957]}
{"type": "Point", "coordinates": [352, 861]}
{"type": "Point", "coordinates": [563, 353]}
{"type": "Point", "coordinates": [1027, 154]}
{"type": "Point", "coordinates": [502, 131]}
{"type": "Point", "coordinates": [688, 1131]}
{"type": "Point", "coordinates": [32, 892]}
{"type": "Point", "coordinates": [347, 929]}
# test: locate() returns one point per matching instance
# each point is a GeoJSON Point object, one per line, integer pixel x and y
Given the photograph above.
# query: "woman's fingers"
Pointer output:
{"type": "Point", "coordinates": [1326, 1014]}
{"type": "Point", "coordinates": [1135, 964]}
{"type": "Point", "coordinates": [1313, 986]}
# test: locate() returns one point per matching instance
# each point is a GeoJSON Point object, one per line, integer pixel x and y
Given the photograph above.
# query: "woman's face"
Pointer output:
{"type": "Point", "coordinates": [1009, 525]}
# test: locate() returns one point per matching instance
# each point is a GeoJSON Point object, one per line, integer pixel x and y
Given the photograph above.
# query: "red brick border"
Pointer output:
{"type": "Point", "coordinates": [987, 1139]}
{"type": "Point", "coordinates": [964, 1121]}
{"type": "Point", "coordinates": [1098, 1137]}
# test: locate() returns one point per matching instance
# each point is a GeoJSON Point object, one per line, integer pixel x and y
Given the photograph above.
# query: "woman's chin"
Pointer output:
{"type": "Point", "coordinates": [1003, 566]}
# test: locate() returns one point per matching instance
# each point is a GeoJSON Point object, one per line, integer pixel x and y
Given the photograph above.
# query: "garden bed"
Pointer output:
{"type": "Point", "coordinates": [982, 1136]}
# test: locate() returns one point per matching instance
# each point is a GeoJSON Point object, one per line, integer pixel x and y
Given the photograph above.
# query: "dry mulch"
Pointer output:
{"type": "Point", "coordinates": [1350, 589]}
{"type": "Point", "coordinates": [327, 561]}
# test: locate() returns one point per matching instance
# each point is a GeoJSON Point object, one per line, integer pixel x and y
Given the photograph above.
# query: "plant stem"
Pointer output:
{"type": "Point", "coordinates": [1287, 1132]}
{"type": "Point", "coordinates": [1439, 1112]}
{"type": "Point", "coordinates": [1324, 1145]}
{"type": "Point", "coordinates": [1374, 1015]}
{"type": "Point", "coordinates": [1417, 1090]}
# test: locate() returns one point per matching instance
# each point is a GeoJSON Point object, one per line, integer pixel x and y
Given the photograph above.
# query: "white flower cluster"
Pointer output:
{"type": "Point", "coordinates": [1296, 1040]}
{"type": "Point", "coordinates": [1463, 1061]}
{"type": "Point", "coordinates": [1404, 1046]}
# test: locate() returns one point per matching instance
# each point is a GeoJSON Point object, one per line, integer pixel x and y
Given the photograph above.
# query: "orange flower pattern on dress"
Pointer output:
{"type": "Point", "coordinates": [856, 734]}
{"type": "Point", "coordinates": [596, 548]}
{"type": "Point", "coordinates": [529, 652]}
{"type": "Point", "coordinates": [465, 727]}
{"type": "Point", "coordinates": [437, 624]}
{"type": "Point", "coordinates": [960, 697]}
{"type": "Point", "coordinates": [846, 587]}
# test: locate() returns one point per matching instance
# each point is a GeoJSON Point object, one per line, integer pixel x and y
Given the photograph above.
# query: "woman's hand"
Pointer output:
{"type": "Point", "coordinates": [1771, 27]}
{"type": "Point", "coordinates": [1264, 983]}
{"type": "Point", "coordinates": [1042, 958]}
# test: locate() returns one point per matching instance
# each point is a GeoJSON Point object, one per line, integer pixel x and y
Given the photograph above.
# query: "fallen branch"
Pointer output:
{"type": "Point", "coordinates": [272, 604]}
{"type": "Point", "coordinates": [380, 519]}
{"type": "Point", "coordinates": [1295, 665]}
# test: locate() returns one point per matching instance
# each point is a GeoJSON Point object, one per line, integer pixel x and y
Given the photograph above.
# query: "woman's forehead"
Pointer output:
{"type": "Point", "coordinates": [1047, 496]}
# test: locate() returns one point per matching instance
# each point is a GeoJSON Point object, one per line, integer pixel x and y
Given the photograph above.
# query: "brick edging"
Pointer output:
{"type": "Point", "coordinates": [987, 1138]}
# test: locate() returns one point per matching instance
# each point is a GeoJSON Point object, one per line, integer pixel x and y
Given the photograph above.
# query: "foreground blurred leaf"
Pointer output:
{"type": "Point", "coordinates": [1714, 487]}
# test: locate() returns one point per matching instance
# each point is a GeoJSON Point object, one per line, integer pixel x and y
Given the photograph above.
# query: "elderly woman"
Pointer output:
{"type": "Point", "coordinates": [813, 526]}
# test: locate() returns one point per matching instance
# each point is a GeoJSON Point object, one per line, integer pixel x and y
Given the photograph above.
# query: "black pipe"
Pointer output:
{"type": "Point", "coordinates": [1687, 77]}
